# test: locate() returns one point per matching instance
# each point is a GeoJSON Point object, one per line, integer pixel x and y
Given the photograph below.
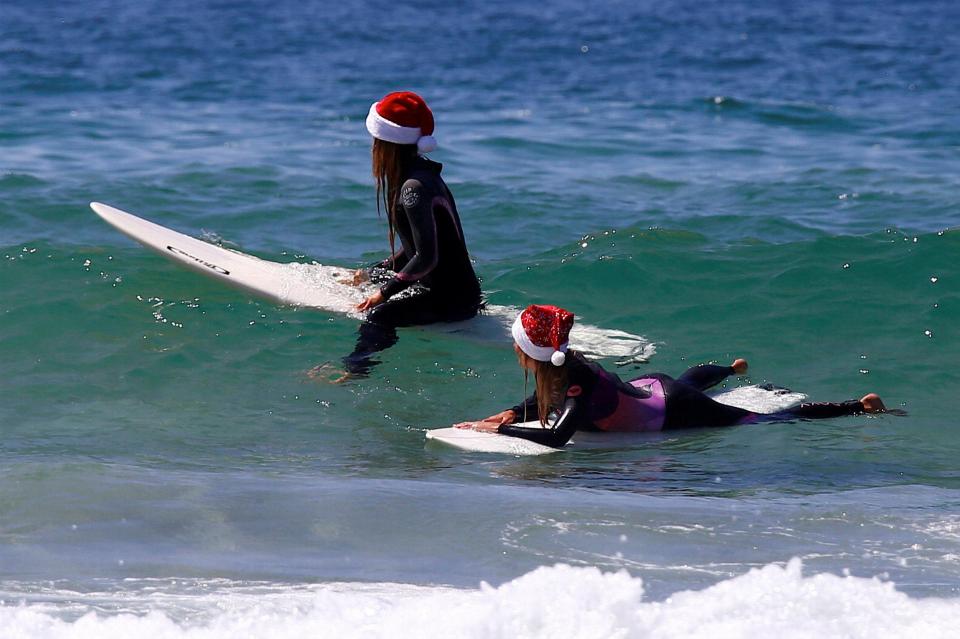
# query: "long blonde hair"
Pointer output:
{"type": "Point", "coordinates": [551, 384]}
{"type": "Point", "coordinates": [390, 163]}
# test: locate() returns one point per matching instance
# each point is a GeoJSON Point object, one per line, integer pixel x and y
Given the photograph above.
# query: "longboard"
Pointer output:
{"type": "Point", "coordinates": [319, 286]}
{"type": "Point", "coordinates": [760, 399]}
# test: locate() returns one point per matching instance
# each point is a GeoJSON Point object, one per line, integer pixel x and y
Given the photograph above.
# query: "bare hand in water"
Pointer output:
{"type": "Point", "coordinates": [359, 277]}
{"type": "Point", "coordinates": [370, 302]}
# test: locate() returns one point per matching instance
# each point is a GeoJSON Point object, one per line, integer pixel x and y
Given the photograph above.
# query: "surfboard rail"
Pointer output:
{"type": "Point", "coordinates": [764, 398]}
{"type": "Point", "coordinates": [323, 287]}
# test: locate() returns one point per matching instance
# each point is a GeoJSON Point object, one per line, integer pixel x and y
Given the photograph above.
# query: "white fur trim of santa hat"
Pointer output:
{"type": "Point", "coordinates": [540, 353]}
{"type": "Point", "coordinates": [383, 129]}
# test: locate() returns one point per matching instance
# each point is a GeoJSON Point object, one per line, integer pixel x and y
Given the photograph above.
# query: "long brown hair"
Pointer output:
{"type": "Point", "coordinates": [551, 382]}
{"type": "Point", "coordinates": [390, 163]}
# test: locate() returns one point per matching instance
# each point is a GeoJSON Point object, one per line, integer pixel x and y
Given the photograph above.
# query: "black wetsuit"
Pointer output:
{"type": "Point", "coordinates": [598, 400]}
{"type": "Point", "coordinates": [431, 269]}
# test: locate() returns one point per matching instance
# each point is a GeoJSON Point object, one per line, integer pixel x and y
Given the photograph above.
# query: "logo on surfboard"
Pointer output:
{"type": "Point", "coordinates": [214, 267]}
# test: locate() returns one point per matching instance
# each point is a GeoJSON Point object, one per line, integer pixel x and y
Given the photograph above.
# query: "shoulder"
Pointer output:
{"type": "Point", "coordinates": [411, 193]}
{"type": "Point", "coordinates": [576, 359]}
{"type": "Point", "coordinates": [581, 371]}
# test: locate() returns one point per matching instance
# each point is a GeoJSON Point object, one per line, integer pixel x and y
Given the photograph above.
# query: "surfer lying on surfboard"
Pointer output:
{"type": "Point", "coordinates": [431, 266]}
{"type": "Point", "coordinates": [590, 398]}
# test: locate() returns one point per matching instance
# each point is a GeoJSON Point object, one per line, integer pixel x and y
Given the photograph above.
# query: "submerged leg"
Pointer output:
{"type": "Point", "coordinates": [373, 337]}
{"type": "Point", "coordinates": [688, 407]}
{"type": "Point", "coordinates": [379, 331]}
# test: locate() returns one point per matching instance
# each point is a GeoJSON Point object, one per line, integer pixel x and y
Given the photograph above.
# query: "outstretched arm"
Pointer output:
{"type": "Point", "coordinates": [527, 410]}
{"type": "Point", "coordinates": [869, 403]}
{"type": "Point", "coordinates": [556, 436]}
{"type": "Point", "coordinates": [825, 410]}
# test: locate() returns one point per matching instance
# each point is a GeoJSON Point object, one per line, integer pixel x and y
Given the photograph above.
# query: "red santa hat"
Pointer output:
{"type": "Point", "coordinates": [543, 333]}
{"type": "Point", "coordinates": [402, 118]}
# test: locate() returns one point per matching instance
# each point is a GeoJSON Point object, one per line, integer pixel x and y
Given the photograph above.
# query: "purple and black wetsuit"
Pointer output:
{"type": "Point", "coordinates": [432, 263]}
{"type": "Point", "coordinates": [597, 400]}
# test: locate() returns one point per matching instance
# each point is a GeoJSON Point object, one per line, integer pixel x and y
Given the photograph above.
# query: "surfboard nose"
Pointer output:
{"type": "Point", "coordinates": [101, 209]}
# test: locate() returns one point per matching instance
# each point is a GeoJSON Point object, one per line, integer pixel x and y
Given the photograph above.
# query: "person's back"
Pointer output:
{"type": "Point", "coordinates": [586, 397]}
{"type": "Point", "coordinates": [445, 268]}
{"type": "Point", "coordinates": [432, 264]}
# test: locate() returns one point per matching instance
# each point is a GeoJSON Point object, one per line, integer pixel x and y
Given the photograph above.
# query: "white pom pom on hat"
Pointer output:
{"type": "Point", "coordinates": [543, 333]}
{"type": "Point", "coordinates": [402, 118]}
{"type": "Point", "coordinates": [426, 144]}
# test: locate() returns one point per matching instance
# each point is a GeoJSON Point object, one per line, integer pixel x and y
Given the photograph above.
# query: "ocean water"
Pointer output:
{"type": "Point", "coordinates": [776, 181]}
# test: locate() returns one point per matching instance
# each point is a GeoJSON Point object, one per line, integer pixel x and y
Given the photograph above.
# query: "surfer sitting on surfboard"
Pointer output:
{"type": "Point", "coordinates": [431, 265]}
{"type": "Point", "coordinates": [590, 398]}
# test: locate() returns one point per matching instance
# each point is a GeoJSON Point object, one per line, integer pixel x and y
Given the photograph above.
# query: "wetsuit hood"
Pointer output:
{"type": "Point", "coordinates": [426, 164]}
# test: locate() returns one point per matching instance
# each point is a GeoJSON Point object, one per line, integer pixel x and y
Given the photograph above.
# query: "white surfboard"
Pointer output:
{"type": "Point", "coordinates": [760, 399]}
{"type": "Point", "coordinates": [319, 286]}
{"type": "Point", "coordinates": [480, 442]}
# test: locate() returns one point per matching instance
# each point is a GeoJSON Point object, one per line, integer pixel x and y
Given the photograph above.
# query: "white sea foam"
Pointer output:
{"type": "Point", "coordinates": [559, 601]}
{"type": "Point", "coordinates": [320, 286]}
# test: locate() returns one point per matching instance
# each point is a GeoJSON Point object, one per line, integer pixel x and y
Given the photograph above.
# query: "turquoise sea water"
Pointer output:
{"type": "Point", "coordinates": [778, 183]}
